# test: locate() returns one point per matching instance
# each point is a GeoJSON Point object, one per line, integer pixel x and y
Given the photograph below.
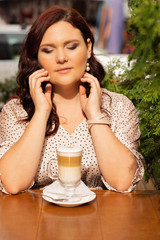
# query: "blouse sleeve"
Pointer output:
{"type": "Point", "coordinates": [125, 126]}
{"type": "Point", "coordinates": [11, 129]}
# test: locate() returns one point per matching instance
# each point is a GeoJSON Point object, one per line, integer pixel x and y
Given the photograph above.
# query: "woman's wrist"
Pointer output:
{"type": "Point", "coordinates": [42, 116]}
{"type": "Point", "coordinates": [93, 115]}
{"type": "Point", "coordinates": [100, 119]}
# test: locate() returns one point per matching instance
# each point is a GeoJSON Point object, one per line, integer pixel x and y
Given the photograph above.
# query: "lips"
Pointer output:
{"type": "Point", "coordinates": [63, 70]}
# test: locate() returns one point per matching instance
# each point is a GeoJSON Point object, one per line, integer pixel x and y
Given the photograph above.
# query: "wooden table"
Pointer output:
{"type": "Point", "coordinates": [110, 216]}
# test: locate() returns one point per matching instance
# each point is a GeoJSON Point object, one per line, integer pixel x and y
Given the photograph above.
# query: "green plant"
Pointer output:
{"type": "Point", "coordinates": [141, 82]}
{"type": "Point", "coordinates": [133, 3]}
{"type": "Point", "coordinates": [7, 89]}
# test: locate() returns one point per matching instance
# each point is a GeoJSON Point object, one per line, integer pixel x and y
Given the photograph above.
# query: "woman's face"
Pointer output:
{"type": "Point", "coordinates": [63, 53]}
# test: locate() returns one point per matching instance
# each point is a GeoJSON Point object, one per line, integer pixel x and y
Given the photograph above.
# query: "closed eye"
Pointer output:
{"type": "Point", "coordinates": [46, 50]}
{"type": "Point", "coordinates": [72, 46]}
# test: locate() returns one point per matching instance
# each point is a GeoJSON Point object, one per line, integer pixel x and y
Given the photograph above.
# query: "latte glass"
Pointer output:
{"type": "Point", "coordinates": [69, 168]}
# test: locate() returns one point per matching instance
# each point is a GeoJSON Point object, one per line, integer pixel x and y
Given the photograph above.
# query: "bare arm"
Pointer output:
{"type": "Point", "coordinates": [19, 164]}
{"type": "Point", "coordinates": [116, 162]}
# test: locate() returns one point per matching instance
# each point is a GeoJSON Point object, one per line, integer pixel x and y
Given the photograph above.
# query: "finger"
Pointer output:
{"type": "Point", "coordinates": [90, 76]}
{"type": "Point", "coordinates": [92, 83]}
{"type": "Point", "coordinates": [36, 75]}
{"type": "Point", "coordinates": [82, 90]}
{"type": "Point", "coordinates": [48, 90]}
{"type": "Point", "coordinates": [87, 75]}
{"type": "Point", "coordinates": [36, 82]}
{"type": "Point", "coordinates": [82, 94]}
{"type": "Point", "coordinates": [38, 71]}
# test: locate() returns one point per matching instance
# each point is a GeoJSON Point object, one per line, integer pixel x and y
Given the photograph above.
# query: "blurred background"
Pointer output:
{"type": "Point", "coordinates": [107, 20]}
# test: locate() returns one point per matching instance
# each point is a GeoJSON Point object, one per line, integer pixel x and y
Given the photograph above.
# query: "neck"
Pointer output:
{"type": "Point", "coordinates": [66, 93]}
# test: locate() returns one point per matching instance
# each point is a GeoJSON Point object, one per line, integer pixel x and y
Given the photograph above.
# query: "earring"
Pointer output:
{"type": "Point", "coordinates": [87, 67]}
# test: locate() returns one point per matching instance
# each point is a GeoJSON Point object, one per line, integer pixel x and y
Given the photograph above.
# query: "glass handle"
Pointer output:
{"type": "Point", "coordinates": [49, 170]}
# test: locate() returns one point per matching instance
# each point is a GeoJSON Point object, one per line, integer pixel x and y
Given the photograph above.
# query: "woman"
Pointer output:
{"type": "Point", "coordinates": [60, 102]}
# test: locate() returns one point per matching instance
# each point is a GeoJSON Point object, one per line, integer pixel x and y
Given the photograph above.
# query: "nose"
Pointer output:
{"type": "Point", "coordinates": [61, 56]}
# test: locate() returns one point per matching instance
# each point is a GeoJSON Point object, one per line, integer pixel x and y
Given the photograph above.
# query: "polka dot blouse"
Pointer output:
{"type": "Point", "coordinates": [123, 122]}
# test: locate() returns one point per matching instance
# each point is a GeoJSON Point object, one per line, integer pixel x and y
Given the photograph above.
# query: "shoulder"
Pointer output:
{"type": "Point", "coordinates": [116, 101]}
{"type": "Point", "coordinates": [11, 124]}
{"type": "Point", "coordinates": [12, 104]}
{"type": "Point", "coordinates": [13, 107]}
{"type": "Point", "coordinates": [115, 97]}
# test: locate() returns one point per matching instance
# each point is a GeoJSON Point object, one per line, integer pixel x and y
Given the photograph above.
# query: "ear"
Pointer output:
{"type": "Point", "coordinates": [89, 48]}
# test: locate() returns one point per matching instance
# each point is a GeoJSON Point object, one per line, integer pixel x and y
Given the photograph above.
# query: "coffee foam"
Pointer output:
{"type": "Point", "coordinates": [74, 151]}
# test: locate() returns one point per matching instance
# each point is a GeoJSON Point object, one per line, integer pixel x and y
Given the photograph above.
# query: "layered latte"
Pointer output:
{"type": "Point", "coordinates": [69, 165]}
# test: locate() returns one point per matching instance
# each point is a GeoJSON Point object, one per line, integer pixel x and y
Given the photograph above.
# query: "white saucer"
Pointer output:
{"type": "Point", "coordinates": [55, 190]}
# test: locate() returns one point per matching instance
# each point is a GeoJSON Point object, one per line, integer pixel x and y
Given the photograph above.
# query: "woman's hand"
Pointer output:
{"type": "Point", "coordinates": [90, 105]}
{"type": "Point", "coordinates": [42, 101]}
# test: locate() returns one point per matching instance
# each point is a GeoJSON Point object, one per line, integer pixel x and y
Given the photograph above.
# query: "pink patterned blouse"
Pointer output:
{"type": "Point", "coordinates": [124, 124]}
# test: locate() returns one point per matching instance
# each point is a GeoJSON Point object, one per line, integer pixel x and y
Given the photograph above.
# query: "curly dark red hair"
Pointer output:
{"type": "Point", "coordinates": [28, 62]}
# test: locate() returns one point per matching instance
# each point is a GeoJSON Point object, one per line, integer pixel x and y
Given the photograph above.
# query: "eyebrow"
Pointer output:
{"type": "Point", "coordinates": [52, 45]}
